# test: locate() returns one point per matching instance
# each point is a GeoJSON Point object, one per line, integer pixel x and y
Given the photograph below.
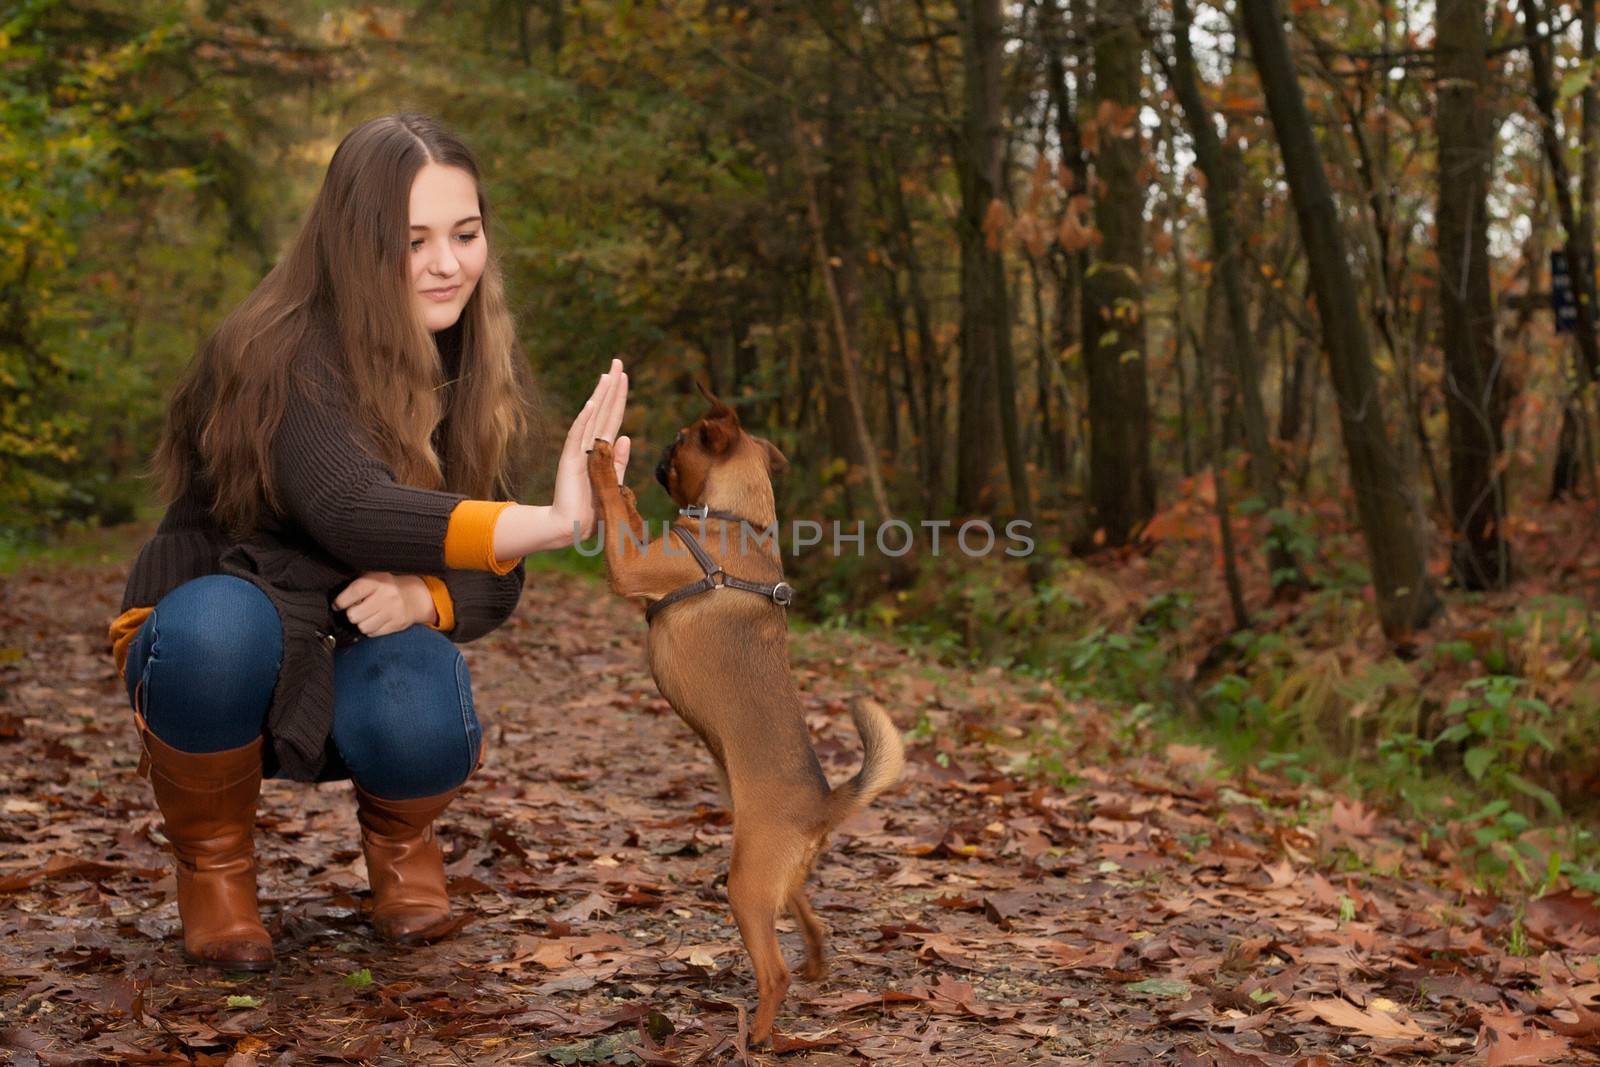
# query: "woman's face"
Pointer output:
{"type": "Point", "coordinates": [448, 247]}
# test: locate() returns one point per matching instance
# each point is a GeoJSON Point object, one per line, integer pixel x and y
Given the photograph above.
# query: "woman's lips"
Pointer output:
{"type": "Point", "coordinates": [441, 295]}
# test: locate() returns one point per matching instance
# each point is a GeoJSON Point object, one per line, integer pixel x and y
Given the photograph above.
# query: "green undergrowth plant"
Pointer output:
{"type": "Point", "coordinates": [1476, 734]}
{"type": "Point", "coordinates": [77, 544]}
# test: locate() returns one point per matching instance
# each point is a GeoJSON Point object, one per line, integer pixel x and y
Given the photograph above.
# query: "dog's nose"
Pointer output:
{"type": "Point", "coordinates": [664, 465]}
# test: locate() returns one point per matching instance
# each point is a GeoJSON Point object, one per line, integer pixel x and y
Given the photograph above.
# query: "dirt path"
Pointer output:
{"type": "Point", "coordinates": [1146, 913]}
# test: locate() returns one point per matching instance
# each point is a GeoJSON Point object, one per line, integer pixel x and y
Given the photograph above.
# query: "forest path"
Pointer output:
{"type": "Point", "coordinates": [1146, 913]}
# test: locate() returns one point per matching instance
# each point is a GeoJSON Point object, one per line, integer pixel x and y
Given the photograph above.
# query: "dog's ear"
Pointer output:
{"type": "Point", "coordinates": [719, 429]}
{"type": "Point", "coordinates": [718, 408]}
{"type": "Point", "coordinates": [777, 462]}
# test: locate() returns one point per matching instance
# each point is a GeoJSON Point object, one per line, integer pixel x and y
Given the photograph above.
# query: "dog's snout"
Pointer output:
{"type": "Point", "coordinates": [665, 465]}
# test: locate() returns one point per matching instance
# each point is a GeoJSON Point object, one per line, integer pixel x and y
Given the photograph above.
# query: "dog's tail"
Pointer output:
{"type": "Point", "coordinates": [884, 759]}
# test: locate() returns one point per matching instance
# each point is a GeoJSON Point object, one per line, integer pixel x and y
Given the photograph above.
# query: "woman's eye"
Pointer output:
{"type": "Point", "coordinates": [464, 238]}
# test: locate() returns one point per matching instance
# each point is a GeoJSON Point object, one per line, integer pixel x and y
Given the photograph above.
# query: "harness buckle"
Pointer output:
{"type": "Point", "coordinates": [694, 511]}
{"type": "Point", "coordinates": [783, 594]}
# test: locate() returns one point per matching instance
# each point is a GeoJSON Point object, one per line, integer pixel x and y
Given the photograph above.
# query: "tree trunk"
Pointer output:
{"type": "Point", "coordinates": [1219, 482]}
{"type": "Point", "coordinates": [1068, 267]}
{"type": "Point", "coordinates": [555, 27]}
{"type": "Point", "coordinates": [1051, 458]}
{"type": "Point", "coordinates": [1474, 390]}
{"type": "Point", "coordinates": [1580, 256]}
{"type": "Point", "coordinates": [1574, 440]}
{"type": "Point", "coordinates": [1405, 595]}
{"type": "Point", "coordinates": [1220, 193]}
{"type": "Point", "coordinates": [838, 188]}
{"type": "Point", "coordinates": [1121, 482]}
{"type": "Point", "coordinates": [1388, 305]}
{"type": "Point", "coordinates": [983, 296]}
{"type": "Point", "coordinates": [850, 365]}
{"type": "Point", "coordinates": [1180, 308]}
{"type": "Point", "coordinates": [929, 356]}
{"type": "Point", "coordinates": [890, 271]}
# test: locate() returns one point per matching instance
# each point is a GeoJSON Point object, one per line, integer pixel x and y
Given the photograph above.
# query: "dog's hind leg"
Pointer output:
{"type": "Point", "coordinates": [814, 932]}
{"type": "Point", "coordinates": [758, 880]}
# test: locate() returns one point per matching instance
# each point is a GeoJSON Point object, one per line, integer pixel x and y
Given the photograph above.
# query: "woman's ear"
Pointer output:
{"type": "Point", "coordinates": [777, 462]}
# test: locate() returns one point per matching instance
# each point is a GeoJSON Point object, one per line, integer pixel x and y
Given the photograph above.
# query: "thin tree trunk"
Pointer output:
{"type": "Point", "coordinates": [1580, 256]}
{"type": "Point", "coordinates": [1296, 354]}
{"type": "Point", "coordinates": [1068, 267]}
{"type": "Point", "coordinates": [1405, 595]}
{"type": "Point", "coordinates": [1180, 310]}
{"type": "Point", "coordinates": [1049, 458]}
{"type": "Point", "coordinates": [1313, 394]}
{"type": "Point", "coordinates": [1121, 481]}
{"type": "Point", "coordinates": [902, 357]}
{"type": "Point", "coordinates": [1575, 440]}
{"type": "Point", "coordinates": [1474, 393]}
{"type": "Point", "coordinates": [555, 29]}
{"type": "Point", "coordinates": [1217, 455]}
{"type": "Point", "coordinates": [1387, 302]}
{"type": "Point", "coordinates": [929, 356]}
{"type": "Point", "coordinates": [1245, 387]}
{"type": "Point", "coordinates": [850, 365]}
{"type": "Point", "coordinates": [838, 189]}
{"type": "Point", "coordinates": [1180, 334]}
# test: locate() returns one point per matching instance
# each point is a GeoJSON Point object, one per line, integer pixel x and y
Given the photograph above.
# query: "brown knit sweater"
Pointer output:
{"type": "Point", "coordinates": [343, 514]}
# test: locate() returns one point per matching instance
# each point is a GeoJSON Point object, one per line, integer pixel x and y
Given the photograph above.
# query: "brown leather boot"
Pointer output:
{"type": "Point", "coordinates": [209, 803]}
{"type": "Point", "coordinates": [405, 866]}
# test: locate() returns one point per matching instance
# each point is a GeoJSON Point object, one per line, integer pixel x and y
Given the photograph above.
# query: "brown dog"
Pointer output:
{"type": "Point", "coordinates": [720, 656]}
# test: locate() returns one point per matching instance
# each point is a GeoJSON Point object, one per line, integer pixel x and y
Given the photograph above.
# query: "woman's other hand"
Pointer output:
{"type": "Point", "coordinates": [573, 505]}
{"type": "Point", "coordinates": [379, 603]}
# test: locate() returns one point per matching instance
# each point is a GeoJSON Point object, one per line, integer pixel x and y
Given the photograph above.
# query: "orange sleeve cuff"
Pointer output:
{"type": "Point", "coordinates": [441, 603]}
{"type": "Point", "coordinates": [469, 540]}
{"type": "Point", "coordinates": [123, 630]}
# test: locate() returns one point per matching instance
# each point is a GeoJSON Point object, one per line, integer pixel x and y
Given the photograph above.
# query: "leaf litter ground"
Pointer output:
{"type": "Point", "coordinates": [1145, 912]}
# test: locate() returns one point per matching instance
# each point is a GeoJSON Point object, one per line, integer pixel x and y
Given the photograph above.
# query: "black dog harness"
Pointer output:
{"type": "Point", "coordinates": [780, 593]}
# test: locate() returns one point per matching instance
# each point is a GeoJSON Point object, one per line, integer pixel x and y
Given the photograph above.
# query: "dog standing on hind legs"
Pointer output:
{"type": "Point", "coordinates": [718, 650]}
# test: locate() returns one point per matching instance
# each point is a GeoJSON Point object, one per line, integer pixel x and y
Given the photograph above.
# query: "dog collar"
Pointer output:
{"type": "Point", "coordinates": [700, 511]}
{"type": "Point", "coordinates": [780, 593]}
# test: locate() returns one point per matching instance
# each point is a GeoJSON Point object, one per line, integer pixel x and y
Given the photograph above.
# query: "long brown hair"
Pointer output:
{"type": "Point", "coordinates": [344, 285]}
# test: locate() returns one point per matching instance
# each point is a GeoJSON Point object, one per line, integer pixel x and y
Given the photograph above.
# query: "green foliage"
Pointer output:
{"type": "Point", "coordinates": [60, 145]}
{"type": "Point", "coordinates": [1497, 729]}
{"type": "Point", "coordinates": [612, 1049]}
{"type": "Point", "coordinates": [1293, 530]}
{"type": "Point", "coordinates": [1287, 700]}
{"type": "Point", "coordinates": [126, 214]}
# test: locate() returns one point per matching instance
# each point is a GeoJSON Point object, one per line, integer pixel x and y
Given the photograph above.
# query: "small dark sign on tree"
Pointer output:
{"type": "Point", "coordinates": [1561, 299]}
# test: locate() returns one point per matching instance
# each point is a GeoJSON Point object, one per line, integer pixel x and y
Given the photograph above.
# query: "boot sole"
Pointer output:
{"type": "Point", "coordinates": [421, 937]}
{"type": "Point", "coordinates": [427, 935]}
{"type": "Point", "coordinates": [253, 966]}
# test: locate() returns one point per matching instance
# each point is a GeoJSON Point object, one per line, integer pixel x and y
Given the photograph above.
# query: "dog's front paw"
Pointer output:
{"type": "Point", "coordinates": [600, 461]}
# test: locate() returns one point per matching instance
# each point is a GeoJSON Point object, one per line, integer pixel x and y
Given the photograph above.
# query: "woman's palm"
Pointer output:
{"type": "Point", "coordinates": [601, 417]}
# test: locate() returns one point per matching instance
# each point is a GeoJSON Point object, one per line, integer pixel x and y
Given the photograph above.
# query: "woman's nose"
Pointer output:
{"type": "Point", "coordinates": [443, 261]}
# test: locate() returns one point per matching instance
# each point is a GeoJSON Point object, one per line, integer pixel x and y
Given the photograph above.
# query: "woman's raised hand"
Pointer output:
{"type": "Point", "coordinates": [611, 401]}
{"type": "Point", "coordinates": [601, 417]}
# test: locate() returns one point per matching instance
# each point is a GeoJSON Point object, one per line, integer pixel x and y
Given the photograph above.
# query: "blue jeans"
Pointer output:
{"type": "Point", "coordinates": [203, 666]}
